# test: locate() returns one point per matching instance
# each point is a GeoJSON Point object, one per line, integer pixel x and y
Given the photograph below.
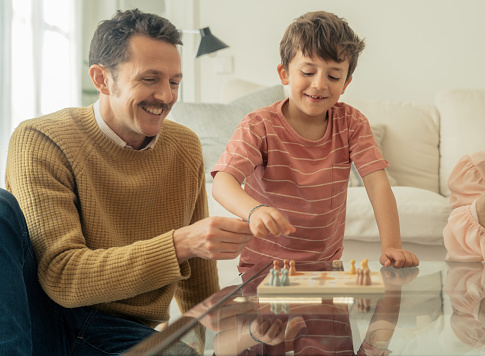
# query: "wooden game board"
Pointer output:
{"type": "Point", "coordinates": [328, 282]}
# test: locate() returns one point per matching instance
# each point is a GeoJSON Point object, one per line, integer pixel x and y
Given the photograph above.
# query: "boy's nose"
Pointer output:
{"type": "Point", "coordinates": [320, 82]}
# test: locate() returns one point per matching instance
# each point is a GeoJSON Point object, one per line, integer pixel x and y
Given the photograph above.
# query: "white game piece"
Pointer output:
{"type": "Point", "coordinates": [286, 264]}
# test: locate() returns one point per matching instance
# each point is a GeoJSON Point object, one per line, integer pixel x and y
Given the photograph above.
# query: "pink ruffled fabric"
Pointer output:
{"type": "Point", "coordinates": [464, 237]}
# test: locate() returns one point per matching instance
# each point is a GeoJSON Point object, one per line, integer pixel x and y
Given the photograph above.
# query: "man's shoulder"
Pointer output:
{"type": "Point", "coordinates": [66, 128]}
{"type": "Point", "coordinates": [180, 137]}
{"type": "Point", "coordinates": [58, 121]}
{"type": "Point", "coordinates": [178, 131]}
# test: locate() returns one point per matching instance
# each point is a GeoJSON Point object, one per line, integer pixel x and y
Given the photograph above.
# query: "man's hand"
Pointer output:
{"type": "Point", "coordinates": [398, 258]}
{"type": "Point", "coordinates": [267, 220]}
{"type": "Point", "coordinates": [216, 238]}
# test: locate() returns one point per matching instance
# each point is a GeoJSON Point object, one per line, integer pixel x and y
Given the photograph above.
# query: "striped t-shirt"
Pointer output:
{"type": "Point", "coordinates": [305, 180]}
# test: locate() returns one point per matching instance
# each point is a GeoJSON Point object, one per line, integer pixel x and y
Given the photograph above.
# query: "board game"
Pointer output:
{"type": "Point", "coordinates": [323, 282]}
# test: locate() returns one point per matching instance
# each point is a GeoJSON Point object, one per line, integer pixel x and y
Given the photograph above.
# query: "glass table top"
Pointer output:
{"type": "Point", "coordinates": [437, 308]}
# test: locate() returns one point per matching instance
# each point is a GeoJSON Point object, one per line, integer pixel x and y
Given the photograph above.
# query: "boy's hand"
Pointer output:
{"type": "Point", "coordinates": [266, 221]}
{"type": "Point", "coordinates": [398, 258]}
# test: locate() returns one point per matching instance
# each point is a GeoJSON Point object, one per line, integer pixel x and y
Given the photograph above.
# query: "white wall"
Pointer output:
{"type": "Point", "coordinates": [414, 48]}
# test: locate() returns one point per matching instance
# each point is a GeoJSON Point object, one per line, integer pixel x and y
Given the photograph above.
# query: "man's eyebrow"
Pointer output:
{"type": "Point", "coordinates": [157, 72]}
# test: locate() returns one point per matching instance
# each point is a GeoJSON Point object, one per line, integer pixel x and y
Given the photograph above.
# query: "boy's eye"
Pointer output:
{"type": "Point", "coordinates": [333, 78]}
{"type": "Point", "coordinates": [306, 74]}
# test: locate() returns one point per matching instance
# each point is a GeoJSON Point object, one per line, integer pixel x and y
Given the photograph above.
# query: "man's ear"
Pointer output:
{"type": "Point", "coordinates": [345, 86]}
{"type": "Point", "coordinates": [283, 74]}
{"type": "Point", "coordinates": [99, 76]}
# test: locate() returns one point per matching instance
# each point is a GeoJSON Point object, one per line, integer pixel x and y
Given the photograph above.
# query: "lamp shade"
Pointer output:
{"type": "Point", "coordinates": [209, 43]}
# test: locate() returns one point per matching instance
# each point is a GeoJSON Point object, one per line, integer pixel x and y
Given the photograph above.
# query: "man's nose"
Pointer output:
{"type": "Point", "coordinates": [164, 93]}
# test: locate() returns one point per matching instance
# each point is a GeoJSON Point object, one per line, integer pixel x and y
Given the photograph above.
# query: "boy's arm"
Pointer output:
{"type": "Point", "coordinates": [265, 220]}
{"type": "Point", "coordinates": [385, 211]}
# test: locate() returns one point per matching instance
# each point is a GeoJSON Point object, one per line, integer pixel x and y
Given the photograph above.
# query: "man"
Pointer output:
{"type": "Point", "coordinates": [115, 204]}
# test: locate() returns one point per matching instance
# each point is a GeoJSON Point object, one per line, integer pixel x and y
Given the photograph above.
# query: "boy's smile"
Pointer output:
{"type": "Point", "coordinates": [315, 86]}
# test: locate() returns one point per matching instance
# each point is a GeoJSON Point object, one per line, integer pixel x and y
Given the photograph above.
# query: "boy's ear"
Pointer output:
{"type": "Point", "coordinates": [283, 74]}
{"type": "Point", "coordinates": [346, 84]}
{"type": "Point", "coordinates": [99, 76]}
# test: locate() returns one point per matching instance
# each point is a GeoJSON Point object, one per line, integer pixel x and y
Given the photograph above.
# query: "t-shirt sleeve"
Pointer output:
{"type": "Point", "coordinates": [245, 150]}
{"type": "Point", "coordinates": [364, 150]}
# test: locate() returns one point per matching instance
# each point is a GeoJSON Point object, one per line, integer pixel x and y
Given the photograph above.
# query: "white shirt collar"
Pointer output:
{"type": "Point", "coordinates": [112, 135]}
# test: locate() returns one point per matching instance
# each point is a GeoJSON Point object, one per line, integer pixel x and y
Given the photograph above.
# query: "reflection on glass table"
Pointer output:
{"type": "Point", "coordinates": [437, 308]}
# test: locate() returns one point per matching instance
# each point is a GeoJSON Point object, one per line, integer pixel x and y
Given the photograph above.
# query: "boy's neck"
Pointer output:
{"type": "Point", "coordinates": [309, 128]}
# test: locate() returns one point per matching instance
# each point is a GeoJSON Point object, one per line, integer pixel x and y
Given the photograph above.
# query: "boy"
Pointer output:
{"type": "Point", "coordinates": [295, 155]}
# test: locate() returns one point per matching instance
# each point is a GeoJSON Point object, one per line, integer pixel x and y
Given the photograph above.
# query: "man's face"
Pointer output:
{"type": "Point", "coordinates": [315, 85]}
{"type": "Point", "coordinates": [144, 89]}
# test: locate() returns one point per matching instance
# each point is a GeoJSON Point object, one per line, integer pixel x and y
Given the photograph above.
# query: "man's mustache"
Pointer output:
{"type": "Point", "coordinates": [156, 105]}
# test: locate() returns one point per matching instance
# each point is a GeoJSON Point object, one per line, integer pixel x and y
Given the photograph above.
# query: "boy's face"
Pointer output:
{"type": "Point", "coordinates": [315, 85]}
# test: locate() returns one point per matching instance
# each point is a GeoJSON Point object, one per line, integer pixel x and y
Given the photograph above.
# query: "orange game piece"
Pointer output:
{"type": "Point", "coordinates": [292, 271]}
{"type": "Point", "coordinates": [286, 264]}
{"type": "Point", "coordinates": [276, 265]}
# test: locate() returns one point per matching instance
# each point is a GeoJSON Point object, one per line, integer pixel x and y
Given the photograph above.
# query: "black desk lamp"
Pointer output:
{"type": "Point", "coordinates": [208, 42]}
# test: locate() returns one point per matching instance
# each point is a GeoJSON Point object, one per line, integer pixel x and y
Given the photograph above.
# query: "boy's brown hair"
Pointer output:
{"type": "Point", "coordinates": [323, 34]}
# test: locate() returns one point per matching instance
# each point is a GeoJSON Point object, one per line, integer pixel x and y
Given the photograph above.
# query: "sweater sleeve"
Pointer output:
{"type": "Point", "coordinates": [73, 275]}
{"type": "Point", "coordinates": [464, 237]}
{"type": "Point", "coordinates": [204, 278]}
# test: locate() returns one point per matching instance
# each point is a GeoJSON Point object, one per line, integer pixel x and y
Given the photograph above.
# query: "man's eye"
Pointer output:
{"type": "Point", "coordinates": [149, 80]}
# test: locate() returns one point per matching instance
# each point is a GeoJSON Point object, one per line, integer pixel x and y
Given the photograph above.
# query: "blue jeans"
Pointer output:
{"type": "Point", "coordinates": [30, 322]}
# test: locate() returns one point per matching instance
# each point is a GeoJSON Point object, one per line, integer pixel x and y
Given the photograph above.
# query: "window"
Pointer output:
{"type": "Point", "coordinates": [39, 67]}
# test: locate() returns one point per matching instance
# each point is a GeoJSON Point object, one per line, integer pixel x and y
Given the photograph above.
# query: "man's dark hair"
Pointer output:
{"type": "Point", "coordinates": [110, 43]}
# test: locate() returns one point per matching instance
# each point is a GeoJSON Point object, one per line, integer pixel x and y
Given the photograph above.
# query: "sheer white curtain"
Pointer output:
{"type": "Point", "coordinates": [40, 62]}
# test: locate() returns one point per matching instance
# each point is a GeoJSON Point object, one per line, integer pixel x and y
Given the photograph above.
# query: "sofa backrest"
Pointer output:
{"type": "Point", "coordinates": [215, 123]}
{"type": "Point", "coordinates": [411, 141]}
{"type": "Point", "coordinates": [462, 131]}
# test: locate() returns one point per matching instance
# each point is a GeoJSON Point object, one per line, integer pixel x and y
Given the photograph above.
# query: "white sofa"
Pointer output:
{"type": "Point", "coordinates": [421, 142]}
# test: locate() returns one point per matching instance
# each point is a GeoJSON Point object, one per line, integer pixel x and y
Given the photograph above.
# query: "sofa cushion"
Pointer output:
{"type": "Point", "coordinates": [422, 216]}
{"type": "Point", "coordinates": [411, 142]}
{"type": "Point", "coordinates": [462, 128]}
{"type": "Point", "coordinates": [215, 123]}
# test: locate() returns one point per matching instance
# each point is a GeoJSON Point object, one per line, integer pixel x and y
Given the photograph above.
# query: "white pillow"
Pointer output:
{"type": "Point", "coordinates": [422, 215]}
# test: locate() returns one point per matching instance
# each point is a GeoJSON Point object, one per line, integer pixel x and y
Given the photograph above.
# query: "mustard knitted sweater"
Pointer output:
{"type": "Point", "coordinates": [101, 217]}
